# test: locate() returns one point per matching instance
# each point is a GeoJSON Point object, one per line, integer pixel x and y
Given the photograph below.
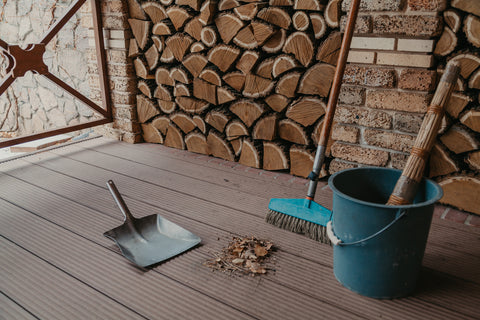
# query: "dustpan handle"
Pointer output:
{"type": "Point", "coordinates": [119, 200]}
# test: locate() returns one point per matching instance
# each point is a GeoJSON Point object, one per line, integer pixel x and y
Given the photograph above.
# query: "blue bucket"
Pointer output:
{"type": "Point", "coordinates": [378, 249]}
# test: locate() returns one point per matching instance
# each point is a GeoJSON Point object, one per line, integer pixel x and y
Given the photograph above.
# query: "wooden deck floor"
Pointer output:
{"type": "Point", "coordinates": [55, 263]}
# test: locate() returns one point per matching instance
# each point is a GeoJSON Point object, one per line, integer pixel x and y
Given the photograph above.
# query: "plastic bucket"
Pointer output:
{"type": "Point", "coordinates": [378, 249]}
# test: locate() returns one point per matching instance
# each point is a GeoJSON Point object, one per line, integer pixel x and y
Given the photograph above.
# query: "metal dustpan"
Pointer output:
{"type": "Point", "coordinates": [148, 240]}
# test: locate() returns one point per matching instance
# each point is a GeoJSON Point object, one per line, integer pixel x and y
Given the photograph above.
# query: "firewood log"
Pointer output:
{"type": "Point", "coordinates": [181, 75]}
{"type": "Point", "coordinates": [141, 69]}
{"type": "Point", "coordinates": [228, 26]}
{"type": "Point", "coordinates": [208, 36]}
{"type": "Point", "coordinates": [155, 11]}
{"type": "Point", "coordinates": [211, 76]}
{"type": "Point", "coordinates": [162, 28]}
{"type": "Point", "coordinates": [262, 31]}
{"type": "Point", "coordinates": [200, 123]}
{"type": "Point", "coordinates": [174, 138]}
{"type": "Point", "coordinates": [306, 110]}
{"type": "Point", "coordinates": [276, 42]}
{"type": "Point", "coordinates": [457, 103]}
{"type": "Point", "coordinates": [468, 63]}
{"type": "Point", "coordinates": [191, 105]}
{"type": "Point", "coordinates": [300, 45]}
{"type": "Point", "coordinates": [159, 42]}
{"type": "Point", "coordinates": [280, 3]}
{"type": "Point", "coordinates": [330, 49]}
{"type": "Point", "coordinates": [309, 5]}
{"type": "Point", "coordinates": [287, 85]}
{"type": "Point", "coordinates": [277, 102]}
{"type": "Point", "coordinates": [265, 128]}
{"type": "Point", "coordinates": [146, 109]}
{"type": "Point", "coordinates": [293, 132]}
{"type": "Point", "coordinates": [301, 161]}
{"type": "Point", "coordinates": [227, 4]}
{"type": "Point", "coordinates": [473, 160]}
{"type": "Point", "coordinates": [256, 86]}
{"type": "Point", "coordinates": [152, 57]}
{"type": "Point", "coordinates": [196, 142]}
{"type": "Point", "coordinates": [332, 13]}
{"type": "Point", "coordinates": [135, 10]}
{"type": "Point", "coordinates": [146, 87]}
{"type": "Point", "coordinates": [204, 91]}
{"type": "Point", "coordinates": [247, 61]}
{"type": "Point", "coordinates": [217, 119]}
{"type": "Point", "coordinates": [194, 28]}
{"type": "Point", "coordinates": [245, 38]}
{"type": "Point", "coordinates": [178, 16]}
{"type": "Point", "coordinates": [467, 5]}
{"type": "Point", "coordinates": [282, 64]}
{"type": "Point", "coordinates": [224, 95]}
{"type": "Point", "coordinates": [471, 119]}
{"type": "Point", "coordinates": [236, 80]}
{"type": "Point", "coordinates": [318, 24]}
{"type": "Point", "coordinates": [162, 93]}
{"type": "Point", "coordinates": [197, 47]}
{"type": "Point", "coordinates": [166, 2]}
{"type": "Point", "coordinates": [300, 21]}
{"type": "Point", "coordinates": [265, 68]}
{"type": "Point", "coordinates": [218, 147]}
{"type": "Point", "coordinates": [247, 11]}
{"type": "Point", "coordinates": [471, 27]}
{"type": "Point", "coordinates": [452, 19]}
{"type": "Point", "coordinates": [167, 56]}
{"type": "Point", "coordinates": [179, 45]}
{"type": "Point", "coordinates": [274, 156]}
{"type": "Point", "coordinates": [133, 50]}
{"type": "Point", "coordinates": [236, 129]}
{"type": "Point", "coordinates": [236, 146]}
{"type": "Point", "coordinates": [250, 155]}
{"type": "Point", "coordinates": [440, 162]}
{"type": "Point", "coordinates": [317, 80]}
{"type": "Point", "coordinates": [162, 76]}
{"type": "Point", "coordinates": [151, 134]}
{"type": "Point", "coordinates": [194, 4]}
{"type": "Point", "coordinates": [276, 16]}
{"type": "Point", "coordinates": [461, 192]}
{"type": "Point", "coordinates": [195, 63]}
{"type": "Point", "coordinates": [474, 82]}
{"type": "Point", "coordinates": [161, 124]}
{"type": "Point", "coordinates": [183, 121]}
{"type": "Point", "coordinates": [207, 12]}
{"type": "Point", "coordinates": [181, 90]}
{"type": "Point", "coordinates": [167, 106]}
{"type": "Point", "coordinates": [248, 111]}
{"type": "Point", "coordinates": [223, 56]}
{"type": "Point", "coordinates": [447, 43]}
{"type": "Point", "coordinates": [141, 31]}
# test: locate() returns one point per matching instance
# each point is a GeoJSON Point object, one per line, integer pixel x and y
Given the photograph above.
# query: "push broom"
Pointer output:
{"type": "Point", "coordinates": [305, 215]}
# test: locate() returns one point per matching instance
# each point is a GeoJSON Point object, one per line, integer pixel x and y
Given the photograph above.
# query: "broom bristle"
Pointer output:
{"type": "Point", "coordinates": [312, 230]}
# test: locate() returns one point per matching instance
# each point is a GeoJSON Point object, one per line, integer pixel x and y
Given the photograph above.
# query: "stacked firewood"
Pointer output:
{"type": "Point", "coordinates": [455, 161]}
{"type": "Point", "coordinates": [242, 80]}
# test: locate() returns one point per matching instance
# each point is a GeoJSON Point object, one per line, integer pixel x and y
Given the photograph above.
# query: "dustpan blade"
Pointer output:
{"type": "Point", "coordinates": [301, 208]}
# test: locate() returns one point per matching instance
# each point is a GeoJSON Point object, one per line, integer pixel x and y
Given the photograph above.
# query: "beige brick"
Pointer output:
{"type": "Point", "coordinates": [339, 165]}
{"type": "Point", "coordinates": [417, 79]}
{"type": "Point", "coordinates": [388, 139]}
{"type": "Point", "coordinates": [398, 160]}
{"type": "Point", "coordinates": [363, 116]}
{"type": "Point", "coordinates": [407, 60]}
{"type": "Point", "coordinates": [382, 77]}
{"type": "Point", "coordinates": [345, 133]}
{"type": "Point", "coordinates": [118, 56]}
{"type": "Point", "coordinates": [397, 100]}
{"type": "Point", "coordinates": [409, 25]}
{"type": "Point", "coordinates": [362, 26]}
{"type": "Point", "coordinates": [415, 45]}
{"type": "Point", "coordinates": [361, 57]}
{"type": "Point", "coordinates": [359, 154]}
{"type": "Point", "coordinates": [351, 95]}
{"type": "Point", "coordinates": [127, 125]}
{"type": "Point", "coordinates": [373, 43]}
{"type": "Point", "coordinates": [115, 6]}
{"type": "Point", "coordinates": [422, 5]}
{"type": "Point", "coordinates": [132, 137]}
{"type": "Point", "coordinates": [125, 112]}
{"type": "Point", "coordinates": [407, 122]}
{"type": "Point", "coordinates": [120, 34]}
{"type": "Point", "coordinates": [118, 22]}
{"type": "Point", "coordinates": [111, 43]}
{"type": "Point", "coordinates": [374, 5]}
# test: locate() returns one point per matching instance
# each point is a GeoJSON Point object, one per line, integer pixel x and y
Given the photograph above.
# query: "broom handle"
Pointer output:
{"type": "Point", "coordinates": [407, 185]}
{"type": "Point", "coordinates": [332, 100]}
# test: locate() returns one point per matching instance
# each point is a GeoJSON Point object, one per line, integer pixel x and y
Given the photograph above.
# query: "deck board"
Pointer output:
{"type": "Point", "coordinates": [60, 197]}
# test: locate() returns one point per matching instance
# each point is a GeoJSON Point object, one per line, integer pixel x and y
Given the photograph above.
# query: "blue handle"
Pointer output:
{"type": "Point", "coordinates": [338, 242]}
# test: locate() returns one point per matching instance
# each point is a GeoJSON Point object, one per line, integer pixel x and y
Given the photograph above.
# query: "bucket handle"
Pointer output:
{"type": "Point", "coordinates": [338, 242]}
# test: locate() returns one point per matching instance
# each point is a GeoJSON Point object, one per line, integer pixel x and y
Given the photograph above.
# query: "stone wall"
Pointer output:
{"type": "Point", "coordinates": [33, 104]}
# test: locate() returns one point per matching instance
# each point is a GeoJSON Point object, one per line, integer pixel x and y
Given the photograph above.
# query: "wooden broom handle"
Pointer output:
{"type": "Point", "coordinates": [338, 77]}
{"type": "Point", "coordinates": [407, 185]}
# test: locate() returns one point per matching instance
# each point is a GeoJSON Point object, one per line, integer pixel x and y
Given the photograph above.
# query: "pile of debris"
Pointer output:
{"type": "Point", "coordinates": [250, 256]}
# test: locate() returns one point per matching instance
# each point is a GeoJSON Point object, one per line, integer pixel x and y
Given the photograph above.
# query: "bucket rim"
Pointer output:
{"type": "Point", "coordinates": [378, 205]}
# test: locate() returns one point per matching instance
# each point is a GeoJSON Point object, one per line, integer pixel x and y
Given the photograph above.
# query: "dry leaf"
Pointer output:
{"type": "Point", "coordinates": [238, 261]}
{"type": "Point", "coordinates": [260, 251]}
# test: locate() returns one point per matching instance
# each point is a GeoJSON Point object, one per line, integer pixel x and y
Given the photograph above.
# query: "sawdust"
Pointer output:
{"type": "Point", "coordinates": [244, 256]}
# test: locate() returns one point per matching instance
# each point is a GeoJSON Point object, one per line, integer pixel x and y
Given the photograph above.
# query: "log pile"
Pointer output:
{"type": "Point", "coordinates": [455, 160]}
{"type": "Point", "coordinates": [241, 80]}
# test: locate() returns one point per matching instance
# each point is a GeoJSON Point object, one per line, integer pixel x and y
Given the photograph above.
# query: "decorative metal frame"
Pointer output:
{"type": "Point", "coordinates": [31, 59]}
